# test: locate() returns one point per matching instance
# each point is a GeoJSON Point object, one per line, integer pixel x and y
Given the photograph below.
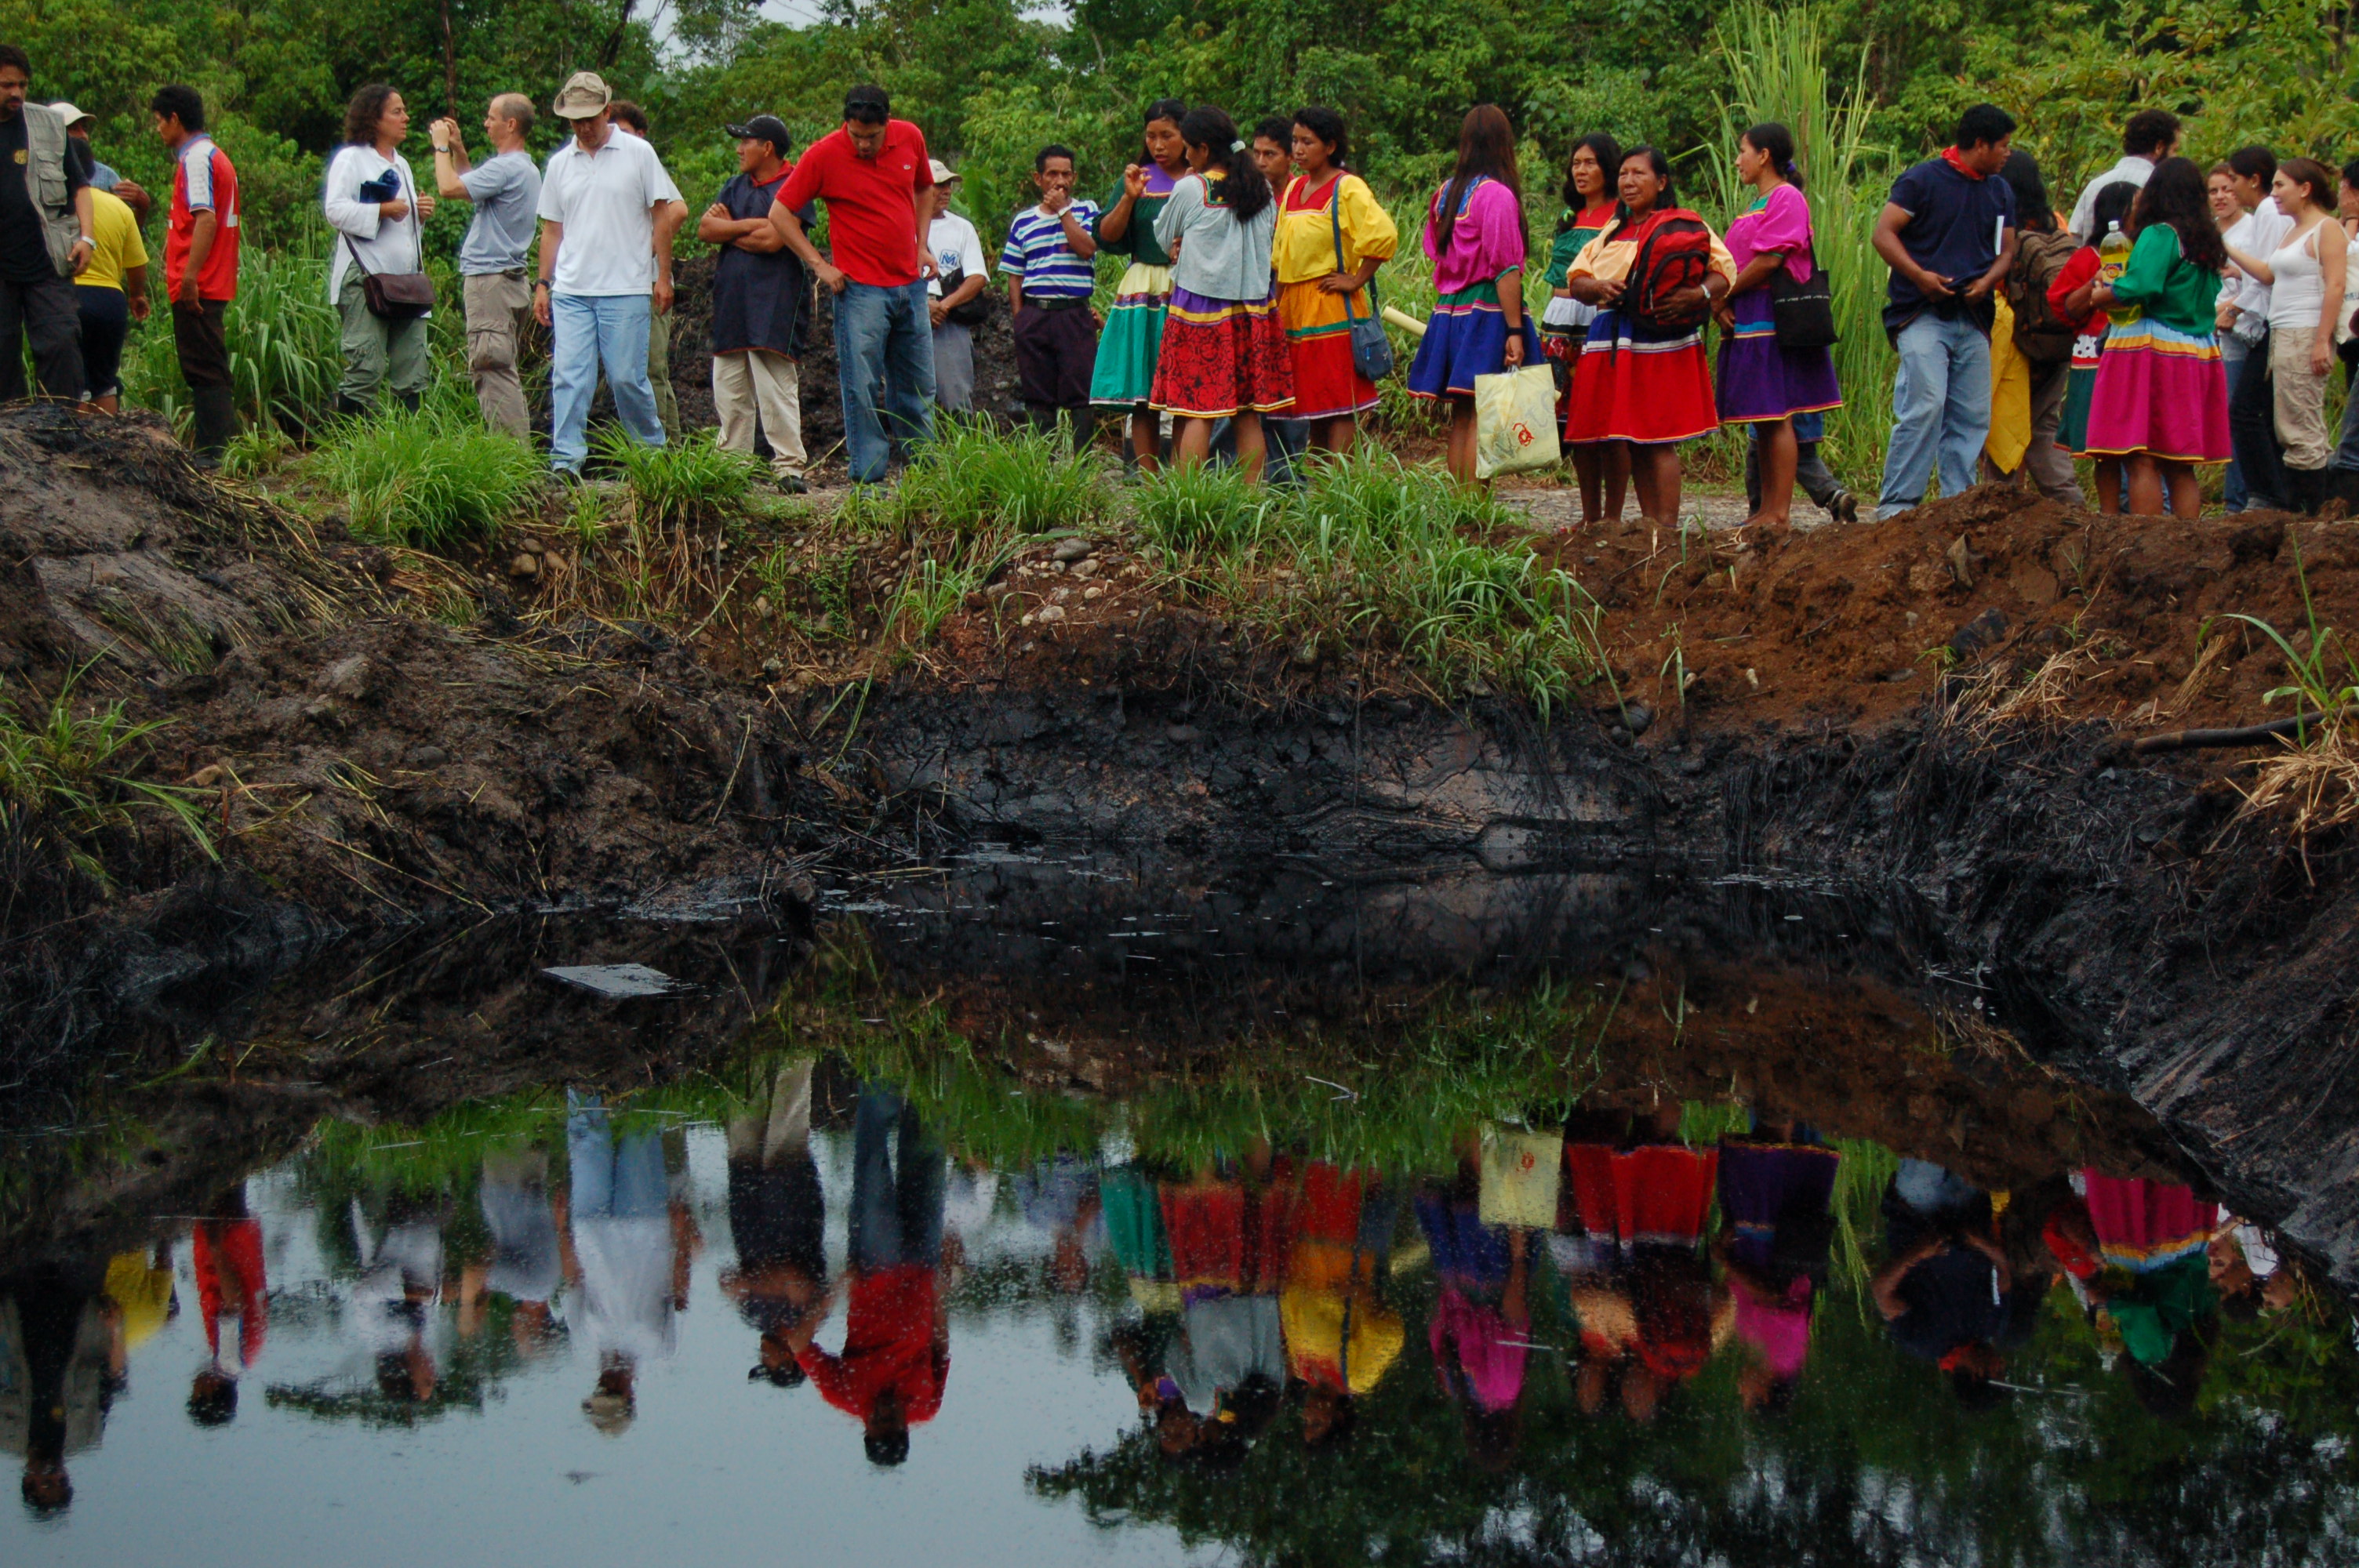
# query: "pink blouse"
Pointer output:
{"type": "Point", "coordinates": [1486, 241]}
{"type": "Point", "coordinates": [1781, 223]}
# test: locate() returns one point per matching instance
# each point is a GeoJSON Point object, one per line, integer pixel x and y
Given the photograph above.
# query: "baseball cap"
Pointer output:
{"type": "Point", "coordinates": [583, 96]}
{"type": "Point", "coordinates": [72, 115]}
{"type": "Point", "coordinates": [765, 128]}
{"type": "Point", "coordinates": [943, 173]}
{"type": "Point", "coordinates": [867, 102]}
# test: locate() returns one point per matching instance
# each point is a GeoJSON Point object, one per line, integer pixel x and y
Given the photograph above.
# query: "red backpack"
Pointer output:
{"type": "Point", "coordinates": [1676, 254]}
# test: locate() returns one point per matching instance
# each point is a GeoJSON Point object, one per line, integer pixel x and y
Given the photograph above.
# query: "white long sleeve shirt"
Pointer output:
{"type": "Point", "coordinates": [361, 225]}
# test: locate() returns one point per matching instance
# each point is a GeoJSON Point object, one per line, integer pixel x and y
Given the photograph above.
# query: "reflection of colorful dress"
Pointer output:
{"type": "Point", "coordinates": [1775, 1198]}
{"type": "Point", "coordinates": [1657, 1192]}
{"type": "Point", "coordinates": [1478, 1355]}
{"type": "Point", "coordinates": [1134, 1224]}
{"type": "Point", "coordinates": [1223, 1238]}
{"type": "Point", "coordinates": [2143, 1226]}
{"type": "Point", "coordinates": [1125, 372]}
{"type": "Point", "coordinates": [1340, 1334]}
{"type": "Point", "coordinates": [226, 1255]}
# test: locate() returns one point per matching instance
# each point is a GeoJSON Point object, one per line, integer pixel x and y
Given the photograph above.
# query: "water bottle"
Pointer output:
{"type": "Point", "coordinates": [2113, 259]}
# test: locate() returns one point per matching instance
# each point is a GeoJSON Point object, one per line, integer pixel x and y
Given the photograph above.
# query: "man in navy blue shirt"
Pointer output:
{"type": "Point", "coordinates": [1948, 233]}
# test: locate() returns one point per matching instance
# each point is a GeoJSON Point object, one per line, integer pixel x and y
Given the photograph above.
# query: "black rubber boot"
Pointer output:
{"type": "Point", "coordinates": [2309, 487]}
{"type": "Point", "coordinates": [348, 408]}
{"type": "Point", "coordinates": [2343, 485]}
{"type": "Point", "coordinates": [213, 411]}
{"type": "Point", "coordinates": [409, 401]}
{"type": "Point", "coordinates": [1085, 429]}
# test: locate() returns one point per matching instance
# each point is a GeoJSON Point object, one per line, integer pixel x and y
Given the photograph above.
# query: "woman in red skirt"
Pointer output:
{"type": "Point", "coordinates": [1332, 234]}
{"type": "Point", "coordinates": [1646, 384]}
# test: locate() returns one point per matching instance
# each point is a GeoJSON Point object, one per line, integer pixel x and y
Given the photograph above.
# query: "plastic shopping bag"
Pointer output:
{"type": "Point", "coordinates": [1515, 422]}
{"type": "Point", "coordinates": [1521, 1172]}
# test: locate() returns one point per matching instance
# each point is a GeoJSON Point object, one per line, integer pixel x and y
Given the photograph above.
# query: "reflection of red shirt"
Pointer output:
{"type": "Point", "coordinates": [872, 203]}
{"type": "Point", "coordinates": [889, 1343]}
{"type": "Point", "coordinates": [231, 1249]}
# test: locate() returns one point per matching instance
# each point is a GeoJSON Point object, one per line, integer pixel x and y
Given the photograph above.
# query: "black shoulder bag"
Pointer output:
{"type": "Point", "coordinates": [1803, 313]}
{"type": "Point", "coordinates": [395, 296]}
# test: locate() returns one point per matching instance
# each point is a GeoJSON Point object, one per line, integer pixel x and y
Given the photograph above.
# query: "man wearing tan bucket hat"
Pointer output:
{"type": "Point", "coordinates": [607, 215]}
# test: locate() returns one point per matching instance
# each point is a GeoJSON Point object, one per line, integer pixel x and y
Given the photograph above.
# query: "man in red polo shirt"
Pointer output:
{"type": "Point", "coordinates": [871, 172]}
{"type": "Point", "coordinates": [200, 263]}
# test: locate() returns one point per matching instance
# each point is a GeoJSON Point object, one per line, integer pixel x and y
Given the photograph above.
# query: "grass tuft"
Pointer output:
{"type": "Point", "coordinates": [75, 770]}
{"type": "Point", "coordinates": [972, 477]}
{"type": "Point", "coordinates": [430, 479]}
{"type": "Point", "coordinates": [684, 482]}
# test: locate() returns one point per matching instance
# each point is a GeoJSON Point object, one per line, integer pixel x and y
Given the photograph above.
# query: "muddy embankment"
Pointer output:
{"type": "Point", "coordinates": [1929, 711]}
{"type": "Point", "coordinates": [1934, 711]}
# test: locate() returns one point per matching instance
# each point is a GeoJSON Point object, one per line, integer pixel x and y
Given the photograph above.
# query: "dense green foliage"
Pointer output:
{"type": "Point", "coordinates": [989, 80]}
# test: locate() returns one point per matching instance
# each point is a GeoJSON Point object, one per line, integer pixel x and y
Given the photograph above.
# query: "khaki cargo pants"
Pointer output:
{"type": "Point", "coordinates": [498, 304]}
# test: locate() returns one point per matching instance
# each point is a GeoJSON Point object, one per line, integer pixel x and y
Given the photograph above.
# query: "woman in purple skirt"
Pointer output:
{"type": "Point", "coordinates": [1762, 383]}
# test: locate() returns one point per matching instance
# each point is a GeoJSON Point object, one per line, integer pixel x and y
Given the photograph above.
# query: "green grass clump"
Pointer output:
{"type": "Point", "coordinates": [74, 771]}
{"type": "Point", "coordinates": [971, 478]}
{"type": "Point", "coordinates": [285, 343]}
{"type": "Point", "coordinates": [429, 479]}
{"type": "Point", "coordinates": [682, 482]}
{"type": "Point", "coordinates": [1372, 547]}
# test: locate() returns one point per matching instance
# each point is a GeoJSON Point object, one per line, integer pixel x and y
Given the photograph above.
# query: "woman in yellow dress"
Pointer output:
{"type": "Point", "coordinates": [1332, 236]}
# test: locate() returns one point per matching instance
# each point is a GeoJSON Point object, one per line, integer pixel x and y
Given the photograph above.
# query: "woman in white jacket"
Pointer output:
{"type": "Point", "coordinates": [374, 205]}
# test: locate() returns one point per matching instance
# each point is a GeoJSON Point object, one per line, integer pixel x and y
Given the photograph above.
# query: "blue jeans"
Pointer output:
{"type": "Point", "coordinates": [2233, 350]}
{"type": "Point", "coordinates": [624, 1182]}
{"type": "Point", "coordinates": [884, 344]}
{"type": "Point", "coordinates": [1941, 405]}
{"type": "Point", "coordinates": [2346, 449]}
{"type": "Point", "coordinates": [897, 1191]}
{"type": "Point", "coordinates": [588, 330]}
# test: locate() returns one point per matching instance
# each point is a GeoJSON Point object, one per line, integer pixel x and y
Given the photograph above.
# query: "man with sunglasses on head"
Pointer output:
{"type": "Point", "coordinates": [874, 173]}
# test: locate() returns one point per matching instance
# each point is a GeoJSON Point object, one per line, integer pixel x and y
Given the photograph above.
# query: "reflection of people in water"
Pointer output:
{"type": "Point", "coordinates": [2138, 1253]}
{"type": "Point", "coordinates": [631, 1241]}
{"type": "Point", "coordinates": [897, 1347]}
{"type": "Point", "coordinates": [776, 1216]}
{"type": "Point", "coordinates": [1335, 1241]}
{"type": "Point", "coordinates": [1638, 1279]}
{"type": "Point", "coordinates": [1479, 1231]}
{"type": "Point", "coordinates": [393, 1299]}
{"type": "Point", "coordinates": [1777, 1187]}
{"type": "Point", "coordinates": [61, 1367]}
{"type": "Point", "coordinates": [2249, 1272]}
{"type": "Point", "coordinates": [1058, 1199]}
{"type": "Point", "coordinates": [1134, 1234]}
{"type": "Point", "coordinates": [1946, 1291]}
{"type": "Point", "coordinates": [526, 1262]}
{"type": "Point", "coordinates": [226, 1252]}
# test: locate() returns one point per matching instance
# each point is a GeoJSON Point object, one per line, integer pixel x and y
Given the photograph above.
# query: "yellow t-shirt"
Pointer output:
{"type": "Point", "coordinates": [1305, 248]}
{"type": "Point", "coordinates": [115, 234]}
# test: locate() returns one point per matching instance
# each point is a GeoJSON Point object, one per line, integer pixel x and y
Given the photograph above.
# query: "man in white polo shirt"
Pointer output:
{"type": "Point", "coordinates": [608, 212]}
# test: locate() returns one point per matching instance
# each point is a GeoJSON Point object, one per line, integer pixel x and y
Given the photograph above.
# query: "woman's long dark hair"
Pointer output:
{"type": "Point", "coordinates": [1662, 167]}
{"type": "Point", "coordinates": [364, 111]}
{"type": "Point", "coordinates": [2174, 194]}
{"type": "Point", "coordinates": [1328, 126]}
{"type": "Point", "coordinates": [1486, 148]}
{"type": "Point", "coordinates": [1608, 153]}
{"type": "Point", "coordinates": [1242, 188]}
{"type": "Point", "coordinates": [1775, 139]}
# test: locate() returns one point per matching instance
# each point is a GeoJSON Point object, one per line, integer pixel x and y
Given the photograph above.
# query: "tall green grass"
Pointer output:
{"type": "Point", "coordinates": [77, 771]}
{"type": "Point", "coordinates": [430, 479]}
{"type": "Point", "coordinates": [972, 477]}
{"type": "Point", "coordinates": [1779, 71]}
{"type": "Point", "coordinates": [1375, 548]}
{"type": "Point", "coordinates": [682, 482]}
{"type": "Point", "coordinates": [286, 351]}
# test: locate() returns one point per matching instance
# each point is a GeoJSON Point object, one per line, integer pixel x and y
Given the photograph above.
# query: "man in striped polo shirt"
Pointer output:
{"type": "Point", "coordinates": [1047, 264]}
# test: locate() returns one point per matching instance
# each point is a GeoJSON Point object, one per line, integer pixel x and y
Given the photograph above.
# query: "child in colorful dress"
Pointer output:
{"type": "Point", "coordinates": [2160, 400]}
{"type": "Point", "coordinates": [1124, 375]}
{"type": "Point", "coordinates": [1646, 385]}
{"type": "Point", "coordinates": [1603, 467]}
{"type": "Point", "coordinates": [1332, 234]}
{"type": "Point", "coordinates": [1764, 385]}
{"type": "Point", "coordinates": [1474, 233]}
{"type": "Point", "coordinates": [1047, 262]}
{"type": "Point", "coordinates": [1223, 353]}
{"type": "Point", "coordinates": [2068, 297]}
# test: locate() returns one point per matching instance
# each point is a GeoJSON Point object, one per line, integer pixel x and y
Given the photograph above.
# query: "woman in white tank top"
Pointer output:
{"type": "Point", "coordinates": [2308, 277]}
